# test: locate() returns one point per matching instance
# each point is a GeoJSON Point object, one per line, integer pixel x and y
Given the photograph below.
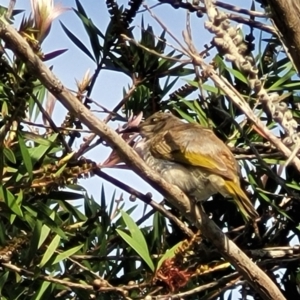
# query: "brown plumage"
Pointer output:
{"type": "Point", "coordinates": [193, 158]}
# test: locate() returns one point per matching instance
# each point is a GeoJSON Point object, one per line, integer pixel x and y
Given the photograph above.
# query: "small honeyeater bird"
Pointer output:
{"type": "Point", "coordinates": [193, 158]}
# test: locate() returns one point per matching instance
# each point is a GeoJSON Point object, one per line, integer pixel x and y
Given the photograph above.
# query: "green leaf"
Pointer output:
{"type": "Point", "coordinates": [137, 240]}
{"type": "Point", "coordinates": [212, 89]}
{"type": "Point", "coordinates": [134, 244]}
{"type": "Point", "coordinates": [4, 109]}
{"type": "Point", "coordinates": [9, 155]}
{"type": "Point", "coordinates": [278, 84]}
{"type": "Point", "coordinates": [19, 198]}
{"type": "Point", "coordinates": [67, 254]}
{"type": "Point", "coordinates": [44, 232]}
{"type": "Point", "coordinates": [167, 87]}
{"type": "Point", "coordinates": [92, 32]}
{"type": "Point", "coordinates": [201, 114]}
{"type": "Point", "coordinates": [76, 187]}
{"type": "Point", "coordinates": [34, 243]}
{"type": "Point", "coordinates": [65, 195]}
{"type": "Point", "coordinates": [50, 251]}
{"type": "Point", "coordinates": [111, 207]}
{"type": "Point", "coordinates": [38, 152]}
{"type": "Point", "coordinates": [73, 210]}
{"type": "Point", "coordinates": [53, 222]}
{"type": "Point", "coordinates": [237, 74]}
{"type": "Point", "coordinates": [295, 85]}
{"type": "Point", "coordinates": [184, 115]}
{"type": "Point", "coordinates": [38, 139]}
{"type": "Point", "coordinates": [42, 290]}
{"type": "Point", "coordinates": [81, 9]}
{"type": "Point", "coordinates": [294, 186]}
{"type": "Point", "coordinates": [134, 229]}
{"type": "Point", "coordinates": [77, 42]}
{"type": "Point", "coordinates": [176, 71]}
{"type": "Point", "coordinates": [206, 87]}
{"type": "Point", "coordinates": [168, 254]}
{"type": "Point", "coordinates": [60, 170]}
{"type": "Point", "coordinates": [11, 201]}
{"type": "Point", "coordinates": [39, 92]}
{"type": "Point", "coordinates": [3, 279]}
{"type": "Point", "coordinates": [25, 155]}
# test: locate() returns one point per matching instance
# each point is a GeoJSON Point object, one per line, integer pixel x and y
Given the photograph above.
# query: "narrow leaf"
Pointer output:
{"type": "Point", "coordinates": [77, 42]}
{"type": "Point", "coordinates": [169, 254]}
{"type": "Point", "coordinates": [50, 251]}
{"type": "Point", "coordinates": [134, 230]}
{"type": "Point", "coordinates": [137, 248]}
{"type": "Point", "coordinates": [10, 200]}
{"type": "Point", "coordinates": [25, 155]}
{"type": "Point", "coordinates": [42, 290]}
{"type": "Point", "coordinates": [67, 254]}
{"type": "Point", "coordinates": [9, 155]}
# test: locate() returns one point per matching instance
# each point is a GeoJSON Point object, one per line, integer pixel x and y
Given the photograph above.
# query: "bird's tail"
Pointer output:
{"type": "Point", "coordinates": [242, 201]}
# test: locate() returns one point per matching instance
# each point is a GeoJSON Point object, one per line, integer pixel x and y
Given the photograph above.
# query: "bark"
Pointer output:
{"type": "Point", "coordinates": [258, 279]}
{"type": "Point", "coordinates": [285, 17]}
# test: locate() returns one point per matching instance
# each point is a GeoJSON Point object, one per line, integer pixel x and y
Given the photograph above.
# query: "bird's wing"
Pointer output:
{"type": "Point", "coordinates": [196, 146]}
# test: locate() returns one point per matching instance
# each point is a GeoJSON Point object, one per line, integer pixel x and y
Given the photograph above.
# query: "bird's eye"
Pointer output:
{"type": "Point", "coordinates": [154, 120]}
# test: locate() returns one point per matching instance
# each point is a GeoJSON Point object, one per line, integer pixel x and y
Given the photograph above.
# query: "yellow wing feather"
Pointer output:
{"type": "Point", "coordinates": [195, 145]}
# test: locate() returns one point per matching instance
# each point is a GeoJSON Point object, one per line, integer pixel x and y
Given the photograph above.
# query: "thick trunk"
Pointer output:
{"type": "Point", "coordinates": [285, 16]}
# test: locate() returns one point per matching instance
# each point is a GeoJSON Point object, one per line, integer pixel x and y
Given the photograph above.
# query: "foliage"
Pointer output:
{"type": "Point", "coordinates": [51, 248]}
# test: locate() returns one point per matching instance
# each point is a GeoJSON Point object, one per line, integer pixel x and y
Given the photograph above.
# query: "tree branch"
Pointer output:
{"type": "Point", "coordinates": [251, 272]}
{"type": "Point", "coordinates": [285, 17]}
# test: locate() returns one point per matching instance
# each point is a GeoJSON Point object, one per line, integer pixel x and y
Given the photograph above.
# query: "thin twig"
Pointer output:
{"type": "Point", "coordinates": [32, 275]}
{"type": "Point", "coordinates": [240, 10]}
{"type": "Point", "coordinates": [50, 127]}
{"type": "Point", "coordinates": [224, 280]}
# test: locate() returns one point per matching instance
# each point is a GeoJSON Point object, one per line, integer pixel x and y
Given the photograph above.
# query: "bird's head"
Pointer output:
{"type": "Point", "coordinates": [158, 122]}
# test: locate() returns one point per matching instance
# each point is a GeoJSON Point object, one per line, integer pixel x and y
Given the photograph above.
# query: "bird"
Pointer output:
{"type": "Point", "coordinates": [193, 158]}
